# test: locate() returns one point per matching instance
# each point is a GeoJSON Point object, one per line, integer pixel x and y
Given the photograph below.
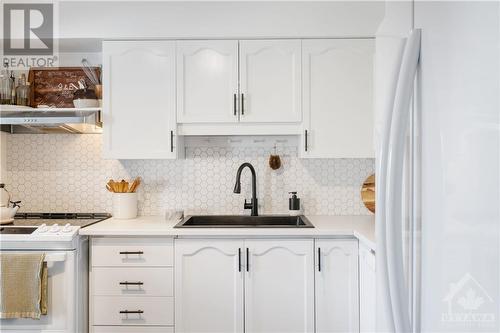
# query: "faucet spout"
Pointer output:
{"type": "Point", "coordinates": [253, 205]}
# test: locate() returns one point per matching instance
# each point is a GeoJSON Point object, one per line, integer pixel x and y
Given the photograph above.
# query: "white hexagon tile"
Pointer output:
{"type": "Point", "coordinates": [66, 173]}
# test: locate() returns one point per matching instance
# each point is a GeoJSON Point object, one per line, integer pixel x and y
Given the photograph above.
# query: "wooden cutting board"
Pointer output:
{"type": "Point", "coordinates": [368, 193]}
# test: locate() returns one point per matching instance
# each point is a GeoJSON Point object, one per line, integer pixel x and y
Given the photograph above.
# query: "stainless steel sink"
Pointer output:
{"type": "Point", "coordinates": [238, 221]}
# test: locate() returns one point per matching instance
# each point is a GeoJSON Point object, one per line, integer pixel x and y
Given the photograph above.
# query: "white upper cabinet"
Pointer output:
{"type": "Point", "coordinates": [139, 100]}
{"type": "Point", "coordinates": [207, 81]}
{"type": "Point", "coordinates": [279, 286]}
{"type": "Point", "coordinates": [270, 81]}
{"type": "Point", "coordinates": [336, 282]}
{"type": "Point", "coordinates": [208, 286]}
{"type": "Point", "coordinates": [337, 98]}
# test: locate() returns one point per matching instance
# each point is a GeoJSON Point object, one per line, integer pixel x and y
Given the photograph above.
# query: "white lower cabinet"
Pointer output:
{"type": "Point", "coordinates": [131, 285]}
{"type": "Point", "coordinates": [336, 282]}
{"type": "Point", "coordinates": [283, 285]}
{"type": "Point", "coordinates": [279, 286]}
{"type": "Point", "coordinates": [244, 285]}
{"type": "Point", "coordinates": [208, 285]}
{"type": "Point", "coordinates": [367, 287]}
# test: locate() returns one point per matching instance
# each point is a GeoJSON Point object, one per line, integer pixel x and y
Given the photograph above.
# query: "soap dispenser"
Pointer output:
{"type": "Point", "coordinates": [294, 204]}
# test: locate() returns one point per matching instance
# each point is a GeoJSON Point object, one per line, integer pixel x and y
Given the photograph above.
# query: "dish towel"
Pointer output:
{"type": "Point", "coordinates": [23, 282]}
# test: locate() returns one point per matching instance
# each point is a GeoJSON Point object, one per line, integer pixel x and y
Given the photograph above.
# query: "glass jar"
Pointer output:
{"type": "Point", "coordinates": [5, 86]}
{"type": "Point", "coordinates": [23, 92]}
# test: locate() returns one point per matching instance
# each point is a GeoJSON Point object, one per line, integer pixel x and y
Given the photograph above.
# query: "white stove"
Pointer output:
{"type": "Point", "coordinates": [46, 230]}
{"type": "Point", "coordinates": [66, 254]}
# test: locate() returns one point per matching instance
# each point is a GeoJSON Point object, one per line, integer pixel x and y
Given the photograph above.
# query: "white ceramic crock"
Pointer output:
{"type": "Point", "coordinates": [124, 205]}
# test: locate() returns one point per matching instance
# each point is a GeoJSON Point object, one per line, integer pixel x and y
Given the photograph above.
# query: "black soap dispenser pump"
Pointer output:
{"type": "Point", "coordinates": [294, 204]}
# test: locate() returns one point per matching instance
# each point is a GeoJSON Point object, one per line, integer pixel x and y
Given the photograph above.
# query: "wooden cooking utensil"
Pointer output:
{"type": "Point", "coordinates": [135, 184]}
{"type": "Point", "coordinates": [112, 185]}
{"type": "Point", "coordinates": [368, 193]}
{"type": "Point", "coordinates": [123, 186]}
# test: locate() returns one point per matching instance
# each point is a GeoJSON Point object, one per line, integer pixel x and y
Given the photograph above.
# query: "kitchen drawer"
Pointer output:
{"type": "Point", "coordinates": [123, 252]}
{"type": "Point", "coordinates": [156, 310]}
{"type": "Point", "coordinates": [139, 281]}
{"type": "Point", "coordinates": [132, 329]}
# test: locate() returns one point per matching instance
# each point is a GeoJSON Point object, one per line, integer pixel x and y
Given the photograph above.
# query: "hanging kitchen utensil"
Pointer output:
{"type": "Point", "coordinates": [274, 160]}
{"type": "Point", "coordinates": [89, 71]}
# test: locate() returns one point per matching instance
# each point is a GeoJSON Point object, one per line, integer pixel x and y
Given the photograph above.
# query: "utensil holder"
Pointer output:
{"type": "Point", "coordinates": [124, 205]}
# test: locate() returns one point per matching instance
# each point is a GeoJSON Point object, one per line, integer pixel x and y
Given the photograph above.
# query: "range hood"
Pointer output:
{"type": "Point", "coordinates": [23, 119]}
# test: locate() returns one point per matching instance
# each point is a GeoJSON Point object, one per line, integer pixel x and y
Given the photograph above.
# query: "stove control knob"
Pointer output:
{"type": "Point", "coordinates": [55, 228]}
{"type": "Point", "coordinates": [67, 228]}
{"type": "Point", "coordinates": [43, 228]}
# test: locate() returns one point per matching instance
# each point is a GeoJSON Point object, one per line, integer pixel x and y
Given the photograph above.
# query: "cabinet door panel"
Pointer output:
{"type": "Point", "coordinates": [279, 286]}
{"type": "Point", "coordinates": [336, 281]}
{"type": "Point", "coordinates": [367, 306]}
{"type": "Point", "coordinates": [139, 99]}
{"type": "Point", "coordinates": [207, 81]}
{"type": "Point", "coordinates": [270, 80]}
{"type": "Point", "coordinates": [337, 98]}
{"type": "Point", "coordinates": [208, 286]}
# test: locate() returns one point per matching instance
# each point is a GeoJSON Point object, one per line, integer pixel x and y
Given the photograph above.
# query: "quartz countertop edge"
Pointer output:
{"type": "Point", "coordinates": [361, 227]}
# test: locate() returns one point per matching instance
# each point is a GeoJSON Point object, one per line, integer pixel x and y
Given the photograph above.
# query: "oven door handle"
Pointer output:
{"type": "Point", "coordinates": [55, 257]}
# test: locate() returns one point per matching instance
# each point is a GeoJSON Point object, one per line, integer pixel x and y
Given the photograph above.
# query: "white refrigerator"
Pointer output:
{"type": "Point", "coordinates": [437, 138]}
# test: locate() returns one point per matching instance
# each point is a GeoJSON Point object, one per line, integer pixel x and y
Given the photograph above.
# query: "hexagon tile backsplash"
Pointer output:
{"type": "Point", "coordinates": [66, 173]}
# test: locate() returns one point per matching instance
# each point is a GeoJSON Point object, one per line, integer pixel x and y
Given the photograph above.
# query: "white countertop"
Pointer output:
{"type": "Point", "coordinates": [361, 227]}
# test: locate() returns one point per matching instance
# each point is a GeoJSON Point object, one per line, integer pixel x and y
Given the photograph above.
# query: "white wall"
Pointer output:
{"type": "Point", "coordinates": [87, 19]}
{"type": "Point", "coordinates": [66, 173]}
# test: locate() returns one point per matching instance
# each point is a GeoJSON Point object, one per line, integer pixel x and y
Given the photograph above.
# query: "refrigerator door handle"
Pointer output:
{"type": "Point", "coordinates": [385, 321]}
{"type": "Point", "coordinates": [395, 158]}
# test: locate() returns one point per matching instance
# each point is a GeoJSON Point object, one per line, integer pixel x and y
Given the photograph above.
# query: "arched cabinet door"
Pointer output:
{"type": "Point", "coordinates": [336, 281]}
{"type": "Point", "coordinates": [279, 288]}
{"type": "Point", "coordinates": [337, 77]}
{"type": "Point", "coordinates": [139, 100]}
{"type": "Point", "coordinates": [207, 81]}
{"type": "Point", "coordinates": [208, 286]}
{"type": "Point", "coordinates": [270, 81]}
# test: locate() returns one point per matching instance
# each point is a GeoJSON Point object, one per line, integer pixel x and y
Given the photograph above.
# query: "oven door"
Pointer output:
{"type": "Point", "coordinates": [61, 292]}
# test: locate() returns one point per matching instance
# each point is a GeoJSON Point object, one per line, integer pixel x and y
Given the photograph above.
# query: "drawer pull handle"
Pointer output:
{"type": "Point", "coordinates": [127, 283]}
{"type": "Point", "coordinates": [131, 312]}
{"type": "Point", "coordinates": [132, 252]}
